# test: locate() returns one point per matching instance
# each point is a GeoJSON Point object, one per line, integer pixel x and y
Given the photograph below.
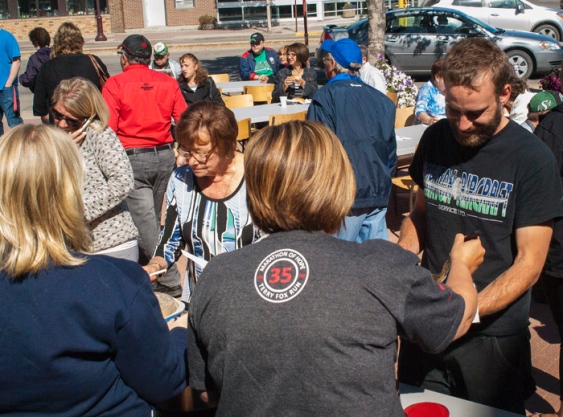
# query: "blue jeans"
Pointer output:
{"type": "Point", "coordinates": [366, 226]}
{"type": "Point", "coordinates": [495, 371]}
{"type": "Point", "coordinates": [7, 107]}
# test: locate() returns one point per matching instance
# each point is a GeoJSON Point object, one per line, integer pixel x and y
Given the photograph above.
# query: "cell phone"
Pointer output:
{"type": "Point", "coordinates": [87, 123]}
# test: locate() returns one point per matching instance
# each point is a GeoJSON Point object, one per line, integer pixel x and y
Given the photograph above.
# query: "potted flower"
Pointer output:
{"type": "Point", "coordinates": [550, 81]}
{"type": "Point", "coordinates": [399, 82]}
{"type": "Point", "coordinates": [348, 10]}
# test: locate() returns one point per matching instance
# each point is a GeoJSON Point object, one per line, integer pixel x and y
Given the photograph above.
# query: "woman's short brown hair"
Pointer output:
{"type": "Point", "coordinates": [301, 52]}
{"type": "Point", "coordinates": [298, 177]}
{"type": "Point", "coordinates": [215, 120]}
{"type": "Point", "coordinates": [68, 39]}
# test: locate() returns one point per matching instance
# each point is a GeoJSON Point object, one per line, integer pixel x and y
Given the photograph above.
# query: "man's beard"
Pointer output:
{"type": "Point", "coordinates": [480, 134]}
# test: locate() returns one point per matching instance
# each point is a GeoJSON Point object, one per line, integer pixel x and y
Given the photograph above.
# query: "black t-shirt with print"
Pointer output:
{"type": "Point", "coordinates": [509, 183]}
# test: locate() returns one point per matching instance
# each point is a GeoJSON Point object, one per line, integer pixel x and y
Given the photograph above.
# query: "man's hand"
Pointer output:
{"type": "Point", "coordinates": [471, 253]}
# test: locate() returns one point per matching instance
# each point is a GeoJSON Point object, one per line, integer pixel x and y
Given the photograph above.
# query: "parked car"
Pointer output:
{"type": "Point", "coordinates": [509, 14]}
{"type": "Point", "coordinates": [415, 38]}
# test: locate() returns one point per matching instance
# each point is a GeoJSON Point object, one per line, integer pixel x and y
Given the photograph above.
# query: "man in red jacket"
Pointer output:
{"type": "Point", "coordinates": [142, 103]}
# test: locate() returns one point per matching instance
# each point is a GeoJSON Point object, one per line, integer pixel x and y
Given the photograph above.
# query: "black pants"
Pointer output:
{"type": "Point", "coordinates": [495, 371]}
{"type": "Point", "coordinates": [553, 288]}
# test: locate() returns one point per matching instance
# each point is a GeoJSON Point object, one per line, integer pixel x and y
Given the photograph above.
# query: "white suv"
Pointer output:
{"type": "Point", "coordinates": [509, 14]}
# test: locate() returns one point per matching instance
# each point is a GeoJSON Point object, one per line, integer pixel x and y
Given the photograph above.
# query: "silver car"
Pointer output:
{"type": "Point", "coordinates": [415, 38]}
{"type": "Point", "coordinates": [509, 14]}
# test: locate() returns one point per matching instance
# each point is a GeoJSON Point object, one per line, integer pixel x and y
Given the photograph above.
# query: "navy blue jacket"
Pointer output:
{"type": "Point", "coordinates": [363, 118]}
{"type": "Point", "coordinates": [86, 341]}
{"type": "Point", "coordinates": [248, 63]}
{"type": "Point", "coordinates": [27, 79]}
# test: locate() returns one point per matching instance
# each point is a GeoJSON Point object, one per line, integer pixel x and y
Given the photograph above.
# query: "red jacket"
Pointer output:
{"type": "Point", "coordinates": [142, 103]}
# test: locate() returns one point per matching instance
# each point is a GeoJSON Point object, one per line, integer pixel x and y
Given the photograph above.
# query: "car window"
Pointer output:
{"type": "Point", "coordinates": [467, 3]}
{"type": "Point", "coordinates": [411, 24]}
{"type": "Point", "coordinates": [503, 4]}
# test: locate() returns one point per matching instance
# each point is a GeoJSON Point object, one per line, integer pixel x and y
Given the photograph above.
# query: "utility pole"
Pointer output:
{"type": "Point", "coordinates": [268, 15]}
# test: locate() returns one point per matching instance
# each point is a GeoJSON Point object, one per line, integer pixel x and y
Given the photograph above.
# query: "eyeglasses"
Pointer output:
{"type": "Point", "coordinates": [73, 124]}
{"type": "Point", "coordinates": [326, 59]}
{"type": "Point", "coordinates": [159, 57]}
{"type": "Point", "coordinates": [196, 155]}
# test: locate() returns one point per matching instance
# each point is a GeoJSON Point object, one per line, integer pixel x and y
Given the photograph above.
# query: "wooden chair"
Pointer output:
{"type": "Point", "coordinates": [278, 119]}
{"type": "Point", "coordinates": [220, 78]}
{"type": "Point", "coordinates": [241, 100]}
{"type": "Point", "coordinates": [243, 133]}
{"type": "Point", "coordinates": [260, 93]}
{"type": "Point", "coordinates": [393, 96]}
{"type": "Point", "coordinates": [405, 183]}
{"type": "Point", "coordinates": [404, 117]}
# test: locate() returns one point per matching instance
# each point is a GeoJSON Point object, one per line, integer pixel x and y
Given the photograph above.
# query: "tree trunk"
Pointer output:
{"type": "Point", "coordinates": [376, 32]}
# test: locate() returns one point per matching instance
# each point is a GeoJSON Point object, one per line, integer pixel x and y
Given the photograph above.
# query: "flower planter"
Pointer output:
{"type": "Point", "coordinates": [349, 13]}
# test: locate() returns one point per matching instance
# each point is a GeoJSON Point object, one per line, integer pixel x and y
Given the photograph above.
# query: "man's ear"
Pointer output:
{"type": "Point", "coordinates": [505, 94]}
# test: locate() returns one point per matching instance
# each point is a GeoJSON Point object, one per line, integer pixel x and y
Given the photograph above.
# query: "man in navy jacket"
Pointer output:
{"type": "Point", "coordinates": [259, 62]}
{"type": "Point", "coordinates": [363, 118]}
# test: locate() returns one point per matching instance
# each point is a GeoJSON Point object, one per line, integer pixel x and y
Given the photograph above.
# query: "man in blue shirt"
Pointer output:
{"type": "Point", "coordinates": [363, 118]}
{"type": "Point", "coordinates": [10, 63]}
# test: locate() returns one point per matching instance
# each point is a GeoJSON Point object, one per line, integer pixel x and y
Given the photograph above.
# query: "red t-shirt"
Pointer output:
{"type": "Point", "coordinates": [142, 103]}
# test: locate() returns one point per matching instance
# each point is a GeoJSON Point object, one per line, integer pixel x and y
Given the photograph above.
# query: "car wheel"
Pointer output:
{"type": "Point", "coordinates": [548, 30]}
{"type": "Point", "coordinates": [522, 63]}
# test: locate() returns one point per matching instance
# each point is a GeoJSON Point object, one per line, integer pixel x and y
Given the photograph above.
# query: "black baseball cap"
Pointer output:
{"type": "Point", "coordinates": [256, 38]}
{"type": "Point", "coordinates": [136, 45]}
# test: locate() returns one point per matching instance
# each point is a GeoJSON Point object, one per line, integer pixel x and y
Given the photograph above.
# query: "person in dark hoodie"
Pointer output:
{"type": "Point", "coordinates": [195, 83]}
{"type": "Point", "coordinates": [550, 131]}
{"type": "Point", "coordinates": [41, 40]}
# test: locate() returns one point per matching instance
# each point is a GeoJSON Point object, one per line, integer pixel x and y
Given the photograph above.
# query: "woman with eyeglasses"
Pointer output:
{"type": "Point", "coordinates": [297, 80]}
{"type": "Point", "coordinates": [79, 109]}
{"type": "Point", "coordinates": [206, 196]}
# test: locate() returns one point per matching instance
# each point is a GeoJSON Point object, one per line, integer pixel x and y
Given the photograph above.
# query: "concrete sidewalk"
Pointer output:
{"type": "Point", "coordinates": [191, 38]}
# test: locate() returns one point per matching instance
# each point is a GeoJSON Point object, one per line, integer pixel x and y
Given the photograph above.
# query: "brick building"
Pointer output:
{"type": "Point", "coordinates": [120, 16]}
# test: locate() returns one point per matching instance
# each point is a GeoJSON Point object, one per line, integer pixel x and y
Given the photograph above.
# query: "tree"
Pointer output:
{"type": "Point", "coordinates": [376, 29]}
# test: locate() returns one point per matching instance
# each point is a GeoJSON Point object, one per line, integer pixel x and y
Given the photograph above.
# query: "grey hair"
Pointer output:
{"type": "Point", "coordinates": [353, 69]}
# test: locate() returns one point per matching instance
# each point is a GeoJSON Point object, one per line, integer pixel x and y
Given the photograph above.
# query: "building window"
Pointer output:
{"type": "Point", "coordinates": [184, 4]}
{"type": "Point", "coordinates": [22, 9]}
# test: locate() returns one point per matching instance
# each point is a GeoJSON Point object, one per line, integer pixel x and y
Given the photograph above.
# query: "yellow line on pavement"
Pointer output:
{"type": "Point", "coordinates": [310, 33]}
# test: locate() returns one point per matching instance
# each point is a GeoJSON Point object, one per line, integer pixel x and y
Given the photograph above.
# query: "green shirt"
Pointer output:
{"type": "Point", "coordinates": [262, 65]}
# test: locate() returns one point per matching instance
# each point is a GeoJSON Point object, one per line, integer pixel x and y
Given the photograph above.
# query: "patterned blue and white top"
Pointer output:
{"type": "Point", "coordinates": [429, 100]}
{"type": "Point", "coordinates": [205, 226]}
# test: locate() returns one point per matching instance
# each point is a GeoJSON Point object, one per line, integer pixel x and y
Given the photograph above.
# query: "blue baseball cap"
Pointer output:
{"type": "Point", "coordinates": [345, 51]}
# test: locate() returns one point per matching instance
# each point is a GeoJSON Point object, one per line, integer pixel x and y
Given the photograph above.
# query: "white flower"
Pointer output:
{"type": "Point", "coordinates": [398, 81]}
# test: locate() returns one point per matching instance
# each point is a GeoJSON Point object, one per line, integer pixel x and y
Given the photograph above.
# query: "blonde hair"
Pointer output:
{"type": "Point", "coordinates": [83, 99]}
{"type": "Point", "coordinates": [298, 176]}
{"type": "Point", "coordinates": [68, 40]}
{"type": "Point", "coordinates": [41, 211]}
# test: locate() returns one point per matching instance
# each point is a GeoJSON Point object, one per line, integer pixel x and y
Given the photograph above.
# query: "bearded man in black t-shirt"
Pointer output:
{"type": "Point", "coordinates": [478, 171]}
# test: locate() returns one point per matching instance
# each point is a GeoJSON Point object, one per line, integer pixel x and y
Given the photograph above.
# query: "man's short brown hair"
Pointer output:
{"type": "Point", "coordinates": [470, 58]}
{"type": "Point", "coordinates": [215, 120]}
{"type": "Point", "coordinates": [298, 177]}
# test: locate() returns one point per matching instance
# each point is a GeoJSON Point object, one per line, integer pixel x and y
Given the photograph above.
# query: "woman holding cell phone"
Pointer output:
{"type": "Point", "coordinates": [79, 109]}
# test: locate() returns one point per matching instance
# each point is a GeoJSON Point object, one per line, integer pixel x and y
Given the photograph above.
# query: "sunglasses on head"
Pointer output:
{"type": "Point", "coordinates": [73, 124]}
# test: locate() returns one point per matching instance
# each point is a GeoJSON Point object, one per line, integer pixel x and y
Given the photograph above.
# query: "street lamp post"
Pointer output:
{"type": "Point", "coordinates": [305, 30]}
{"type": "Point", "coordinates": [100, 27]}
